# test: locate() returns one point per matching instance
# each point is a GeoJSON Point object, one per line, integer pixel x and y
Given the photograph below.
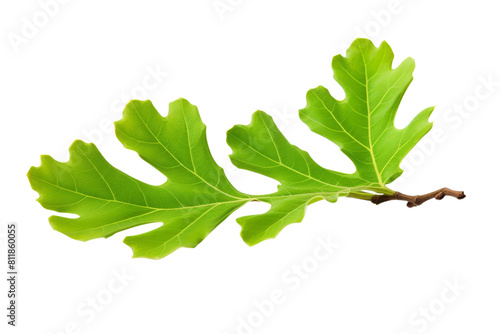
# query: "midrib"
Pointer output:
{"type": "Point", "coordinates": [370, 145]}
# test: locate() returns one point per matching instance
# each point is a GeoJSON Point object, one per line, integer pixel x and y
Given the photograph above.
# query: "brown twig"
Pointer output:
{"type": "Point", "coordinates": [419, 199]}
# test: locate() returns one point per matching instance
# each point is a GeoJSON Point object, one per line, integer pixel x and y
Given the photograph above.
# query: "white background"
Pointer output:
{"type": "Point", "coordinates": [65, 81]}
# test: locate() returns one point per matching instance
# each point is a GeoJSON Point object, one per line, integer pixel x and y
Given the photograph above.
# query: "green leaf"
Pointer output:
{"type": "Point", "coordinates": [362, 124]}
{"type": "Point", "coordinates": [195, 199]}
{"type": "Point", "coordinates": [197, 195]}
{"type": "Point", "coordinates": [260, 147]}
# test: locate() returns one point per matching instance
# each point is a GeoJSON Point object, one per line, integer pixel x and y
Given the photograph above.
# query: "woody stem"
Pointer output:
{"type": "Point", "coordinates": [417, 200]}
